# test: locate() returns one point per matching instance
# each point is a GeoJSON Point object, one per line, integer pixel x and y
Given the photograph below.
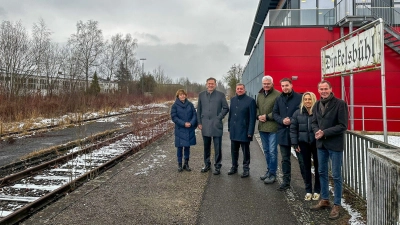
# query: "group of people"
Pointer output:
{"type": "Point", "coordinates": [314, 129]}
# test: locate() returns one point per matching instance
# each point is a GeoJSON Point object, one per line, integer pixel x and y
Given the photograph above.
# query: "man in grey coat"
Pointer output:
{"type": "Point", "coordinates": [211, 110]}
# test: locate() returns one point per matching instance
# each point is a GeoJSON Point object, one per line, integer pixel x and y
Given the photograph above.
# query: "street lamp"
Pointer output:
{"type": "Point", "coordinates": [142, 59]}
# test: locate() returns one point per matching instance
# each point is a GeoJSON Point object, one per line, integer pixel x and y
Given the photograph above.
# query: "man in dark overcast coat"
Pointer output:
{"type": "Point", "coordinates": [241, 123]}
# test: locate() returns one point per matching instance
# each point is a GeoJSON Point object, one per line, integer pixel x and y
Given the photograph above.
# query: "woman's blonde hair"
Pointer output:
{"type": "Point", "coordinates": [313, 100]}
{"type": "Point", "coordinates": [180, 91]}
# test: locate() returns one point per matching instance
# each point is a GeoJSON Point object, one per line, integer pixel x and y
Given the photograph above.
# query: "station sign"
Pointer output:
{"type": "Point", "coordinates": [354, 52]}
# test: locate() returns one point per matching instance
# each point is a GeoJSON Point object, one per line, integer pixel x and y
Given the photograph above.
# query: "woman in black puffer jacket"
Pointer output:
{"type": "Point", "coordinates": [303, 141]}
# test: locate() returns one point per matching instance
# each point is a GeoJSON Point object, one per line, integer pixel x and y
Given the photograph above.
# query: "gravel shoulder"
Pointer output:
{"type": "Point", "coordinates": [143, 189]}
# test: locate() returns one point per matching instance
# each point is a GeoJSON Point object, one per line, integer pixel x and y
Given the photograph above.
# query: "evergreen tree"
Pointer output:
{"type": "Point", "coordinates": [123, 77]}
{"type": "Point", "coordinates": [94, 86]}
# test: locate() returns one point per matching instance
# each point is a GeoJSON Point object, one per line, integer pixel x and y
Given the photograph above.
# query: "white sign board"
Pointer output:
{"type": "Point", "coordinates": [359, 51]}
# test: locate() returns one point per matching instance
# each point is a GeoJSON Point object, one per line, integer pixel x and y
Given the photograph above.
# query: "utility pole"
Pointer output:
{"type": "Point", "coordinates": [142, 59]}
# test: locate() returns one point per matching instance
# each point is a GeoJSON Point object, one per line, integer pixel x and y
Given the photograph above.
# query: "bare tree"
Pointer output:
{"type": "Point", "coordinates": [233, 77]}
{"type": "Point", "coordinates": [46, 56]}
{"type": "Point", "coordinates": [128, 51]}
{"type": "Point", "coordinates": [88, 45]}
{"type": "Point", "coordinates": [135, 68]}
{"type": "Point", "coordinates": [70, 68]}
{"type": "Point", "coordinates": [128, 47]}
{"type": "Point", "coordinates": [15, 55]}
{"type": "Point", "coordinates": [52, 67]}
{"type": "Point", "coordinates": [40, 44]}
{"type": "Point", "coordinates": [112, 56]}
{"type": "Point", "coordinates": [160, 77]}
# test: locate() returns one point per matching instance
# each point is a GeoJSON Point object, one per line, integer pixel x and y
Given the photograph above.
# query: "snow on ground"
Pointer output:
{"type": "Point", "coordinates": [393, 140]}
{"type": "Point", "coordinates": [159, 155]}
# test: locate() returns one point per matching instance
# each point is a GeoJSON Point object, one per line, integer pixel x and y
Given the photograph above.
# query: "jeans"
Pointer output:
{"type": "Point", "coordinates": [235, 145]}
{"type": "Point", "coordinates": [270, 148]}
{"type": "Point", "coordinates": [186, 153]}
{"type": "Point", "coordinates": [217, 148]}
{"type": "Point", "coordinates": [286, 170]}
{"type": "Point", "coordinates": [337, 159]}
{"type": "Point", "coordinates": [308, 150]}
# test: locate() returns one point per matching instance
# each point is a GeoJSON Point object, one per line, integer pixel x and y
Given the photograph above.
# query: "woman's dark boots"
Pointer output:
{"type": "Point", "coordinates": [186, 165]}
{"type": "Point", "coordinates": [180, 167]}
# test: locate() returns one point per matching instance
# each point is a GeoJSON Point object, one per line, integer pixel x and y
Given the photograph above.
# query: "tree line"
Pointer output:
{"type": "Point", "coordinates": [87, 56]}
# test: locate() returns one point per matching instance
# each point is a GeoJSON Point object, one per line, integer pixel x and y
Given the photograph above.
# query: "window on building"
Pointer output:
{"type": "Point", "coordinates": [396, 3]}
{"type": "Point", "coordinates": [313, 11]}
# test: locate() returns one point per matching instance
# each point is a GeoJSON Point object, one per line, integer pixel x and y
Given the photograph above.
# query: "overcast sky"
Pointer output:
{"type": "Point", "coordinates": [187, 38]}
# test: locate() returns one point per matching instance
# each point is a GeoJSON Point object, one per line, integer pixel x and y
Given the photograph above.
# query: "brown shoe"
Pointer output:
{"type": "Point", "coordinates": [322, 204]}
{"type": "Point", "coordinates": [334, 212]}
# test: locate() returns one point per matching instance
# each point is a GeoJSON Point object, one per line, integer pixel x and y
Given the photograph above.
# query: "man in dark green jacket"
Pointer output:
{"type": "Point", "coordinates": [268, 127]}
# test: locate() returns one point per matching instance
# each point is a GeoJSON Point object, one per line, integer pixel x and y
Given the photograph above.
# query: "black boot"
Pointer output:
{"type": "Point", "coordinates": [245, 173]}
{"type": "Point", "coordinates": [180, 167]}
{"type": "Point", "coordinates": [186, 165]}
{"type": "Point", "coordinates": [233, 170]}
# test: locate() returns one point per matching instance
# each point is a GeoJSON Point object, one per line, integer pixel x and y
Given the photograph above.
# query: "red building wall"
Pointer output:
{"type": "Point", "coordinates": [296, 51]}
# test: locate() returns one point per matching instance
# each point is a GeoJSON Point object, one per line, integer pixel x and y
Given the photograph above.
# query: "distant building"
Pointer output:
{"type": "Point", "coordinates": [42, 84]}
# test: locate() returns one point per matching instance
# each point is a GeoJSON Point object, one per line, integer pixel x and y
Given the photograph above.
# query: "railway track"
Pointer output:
{"type": "Point", "coordinates": [74, 122]}
{"type": "Point", "coordinates": [26, 191]}
{"type": "Point", "coordinates": [37, 156]}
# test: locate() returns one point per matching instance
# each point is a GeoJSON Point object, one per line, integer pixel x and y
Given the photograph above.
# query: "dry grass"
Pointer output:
{"type": "Point", "coordinates": [20, 113]}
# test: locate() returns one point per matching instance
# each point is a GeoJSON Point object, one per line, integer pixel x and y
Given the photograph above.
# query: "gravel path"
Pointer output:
{"type": "Point", "coordinates": [143, 189]}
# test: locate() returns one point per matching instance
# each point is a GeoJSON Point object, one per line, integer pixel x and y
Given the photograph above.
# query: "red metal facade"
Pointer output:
{"type": "Point", "coordinates": [296, 51]}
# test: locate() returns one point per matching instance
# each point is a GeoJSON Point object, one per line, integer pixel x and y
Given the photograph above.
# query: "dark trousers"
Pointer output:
{"type": "Point", "coordinates": [217, 148]}
{"type": "Point", "coordinates": [235, 145]}
{"type": "Point", "coordinates": [286, 152]}
{"type": "Point", "coordinates": [186, 153]}
{"type": "Point", "coordinates": [308, 151]}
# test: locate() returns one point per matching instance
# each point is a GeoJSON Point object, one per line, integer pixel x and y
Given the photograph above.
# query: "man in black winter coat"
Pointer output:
{"type": "Point", "coordinates": [285, 105]}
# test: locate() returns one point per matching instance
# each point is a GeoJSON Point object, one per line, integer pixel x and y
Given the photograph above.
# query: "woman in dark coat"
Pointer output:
{"type": "Point", "coordinates": [183, 114]}
{"type": "Point", "coordinates": [303, 141]}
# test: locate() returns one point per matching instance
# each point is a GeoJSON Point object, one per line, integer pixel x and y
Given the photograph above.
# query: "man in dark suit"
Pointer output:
{"type": "Point", "coordinates": [241, 123]}
{"type": "Point", "coordinates": [211, 110]}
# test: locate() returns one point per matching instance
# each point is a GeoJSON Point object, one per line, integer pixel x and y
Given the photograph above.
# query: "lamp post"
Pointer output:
{"type": "Point", "coordinates": [142, 59]}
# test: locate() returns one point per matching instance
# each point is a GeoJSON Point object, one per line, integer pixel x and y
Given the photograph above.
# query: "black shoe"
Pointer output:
{"type": "Point", "coordinates": [283, 187]}
{"type": "Point", "coordinates": [245, 174]}
{"type": "Point", "coordinates": [180, 167]}
{"type": "Point", "coordinates": [233, 170]}
{"type": "Point", "coordinates": [217, 171]}
{"type": "Point", "coordinates": [186, 167]}
{"type": "Point", "coordinates": [205, 169]}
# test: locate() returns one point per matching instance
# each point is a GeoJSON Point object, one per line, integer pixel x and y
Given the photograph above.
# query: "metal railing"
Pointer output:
{"type": "Point", "coordinates": [296, 17]}
{"type": "Point", "coordinates": [379, 9]}
{"type": "Point", "coordinates": [355, 161]}
{"type": "Point", "coordinates": [393, 110]}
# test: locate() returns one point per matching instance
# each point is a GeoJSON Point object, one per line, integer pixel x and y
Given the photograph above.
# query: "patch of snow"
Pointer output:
{"type": "Point", "coordinates": [393, 140]}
